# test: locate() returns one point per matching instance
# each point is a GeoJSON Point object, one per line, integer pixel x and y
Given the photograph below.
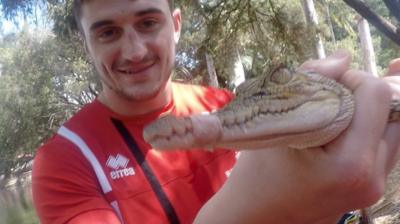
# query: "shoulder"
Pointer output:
{"type": "Point", "coordinates": [63, 182]}
{"type": "Point", "coordinates": [200, 98]}
{"type": "Point", "coordinates": [198, 90]}
{"type": "Point", "coordinates": [57, 153]}
{"type": "Point", "coordinates": [60, 152]}
{"type": "Point", "coordinates": [59, 165]}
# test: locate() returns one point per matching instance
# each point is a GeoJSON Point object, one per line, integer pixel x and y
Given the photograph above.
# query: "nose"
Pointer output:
{"type": "Point", "coordinates": [133, 46]}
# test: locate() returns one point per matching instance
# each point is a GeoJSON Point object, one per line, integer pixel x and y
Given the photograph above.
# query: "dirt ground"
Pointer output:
{"type": "Point", "coordinates": [387, 210]}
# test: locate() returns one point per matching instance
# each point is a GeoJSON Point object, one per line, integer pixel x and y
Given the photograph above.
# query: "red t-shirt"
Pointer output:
{"type": "Point", "coordinates": [65, 185]}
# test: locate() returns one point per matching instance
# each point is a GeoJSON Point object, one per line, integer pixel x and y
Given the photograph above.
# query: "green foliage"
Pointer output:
{"type": "Point", "coordinates": [262, 32]}
{"type": "Point", "coordinates": [15, 213]}
{"type": "Point", "coordinates": [45, 78]}
{"type": "Point", "coordinates": [19, 216]}
{"type": "Point", "coordinates": [64, 23]}
{"type": "Point", "coordinates": [43, 82]}
{"type": "Point", "coordinates": [12, 8]}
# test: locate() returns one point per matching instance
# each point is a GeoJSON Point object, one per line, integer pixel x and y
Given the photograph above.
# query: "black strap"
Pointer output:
{"type": "Point", "coordinates": [155, 185]}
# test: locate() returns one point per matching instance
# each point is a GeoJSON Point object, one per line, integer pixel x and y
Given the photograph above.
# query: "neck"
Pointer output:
{"type": "Point", "coordinates": [127, 107]}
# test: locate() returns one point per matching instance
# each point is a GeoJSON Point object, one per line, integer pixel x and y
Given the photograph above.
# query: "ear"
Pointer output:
{"type": "Point", "coordinates": [86, 47]}
{"type": "Point", "coordinates": [87, 52]}
{"type": "Point", "coordinates": [176, 17]}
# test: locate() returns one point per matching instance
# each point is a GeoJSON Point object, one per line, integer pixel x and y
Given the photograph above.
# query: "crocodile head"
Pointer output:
{"type": "Point", "coordinates": [281, 108]}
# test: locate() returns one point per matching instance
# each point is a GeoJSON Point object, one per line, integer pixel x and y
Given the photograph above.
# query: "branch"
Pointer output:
{"type": "Point", "coordinates": [394, 8]}
{"type": "Point", "coordinates": [379, 22]}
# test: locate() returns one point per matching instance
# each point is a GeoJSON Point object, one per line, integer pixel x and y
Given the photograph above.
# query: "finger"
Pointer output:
{"type": "Point", "coordinates": [207, 129]}
{"type": "Point", "coordinates": [392, 141]}
{"type": "Point", "coordinates": [394, 82]}
{"type": "Point", "coordinates": [391, 137]}
{"type": "Point", "coordinates": [334, 66]}
{"type": "Point", "coordinates": [372, 97]}
{"type": "Point", "coordinates": [393, 77]}
{"type": "Point", "coordinates": [394, 67]}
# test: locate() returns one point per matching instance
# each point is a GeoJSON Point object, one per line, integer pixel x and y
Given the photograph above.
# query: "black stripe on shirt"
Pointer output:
{"type": "Point", "coordinates": [155, 184]}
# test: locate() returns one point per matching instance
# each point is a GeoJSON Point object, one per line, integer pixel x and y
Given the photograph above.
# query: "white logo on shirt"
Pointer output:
{"type": "Point", "coordinates": [119, 163]}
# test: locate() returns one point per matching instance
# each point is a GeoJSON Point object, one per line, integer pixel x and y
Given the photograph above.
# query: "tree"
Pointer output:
{"type": "Point", "coordinates": [366, 46]}
{"type": "Point", "coordinates": [379, 22]}
{"type": "Point", "coordinates": [262, 32]}
{"type": "Point", "coordinates": [43, 82]}
{"type": "Point", "coordinates": [58, 79]}
{"type": "Point", "coordinates": [312, 20]}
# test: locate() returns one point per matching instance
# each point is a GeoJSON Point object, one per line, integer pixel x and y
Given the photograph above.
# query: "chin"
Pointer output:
{"type": "Point", "coordinates": [142, 94]}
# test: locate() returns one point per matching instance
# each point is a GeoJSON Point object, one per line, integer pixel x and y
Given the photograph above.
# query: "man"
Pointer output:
{"type": "Point", "coordinates": [98, 169]}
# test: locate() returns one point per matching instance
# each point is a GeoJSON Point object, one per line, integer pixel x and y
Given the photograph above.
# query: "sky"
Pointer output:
{"type": "Point", "coordinates": [7, 26]}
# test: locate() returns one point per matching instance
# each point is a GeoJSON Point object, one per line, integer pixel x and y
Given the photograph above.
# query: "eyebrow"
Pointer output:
{"type": "Point", "coordinates": [149, 11]}
{"type": "Point", "coordinates": [101, 23]}
{"type": "Point", "coordinates": [144, 12]}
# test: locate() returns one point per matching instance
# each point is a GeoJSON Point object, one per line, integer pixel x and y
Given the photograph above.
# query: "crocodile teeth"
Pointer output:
{"type": "Point", "coordinates": [255, 110]}
{"type": "Point", "coordinates": [240, 118]}
{"type": "Point", "coordinates": [243, 127]}
{"type": "Point", "coordinates": [168, 130]}
{"type": "Point", "coordinates": [265, 108]}
{"type": "Point", "coordinates": [228, 118]}
{"type": "Point", "coordinates": [259, 118]}
{"type": "Point", "coordinates": [232, 131]}
{"type": "Point", "coordinates": [250, 124]}
{"type": "Point", "coordinates": [188, 139]}
{"type": "Point", "coordinates": [180, 128]}
{"type": "Point", "coordinates": [248, 113]}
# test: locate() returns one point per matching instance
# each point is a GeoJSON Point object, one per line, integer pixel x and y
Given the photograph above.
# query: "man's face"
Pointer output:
{"type": "Point", "coordinates": [132, 44]}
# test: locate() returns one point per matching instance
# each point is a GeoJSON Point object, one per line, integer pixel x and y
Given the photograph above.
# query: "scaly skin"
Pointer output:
{"type": "Point", "coordinates": [282, 108]}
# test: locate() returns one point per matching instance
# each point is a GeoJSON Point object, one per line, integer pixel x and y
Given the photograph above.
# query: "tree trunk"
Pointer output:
{"type": "Point", "coordinates": [388, 29]}
{"type": "Point", "coordinates": [394, 7]}
{"type": "Point", "coordinates": [238, 71]}
{"type": "Point", "coordinates": [212, 75]}
{"type": "Point", "coordinates": [20, 190]}
{"type": "Point", "coordinates": [368, 55]}
{"type": "Point", "coordinates": [328, 18]}
{"type": "Point", "coordinates": [312, 20]}
{"type": "Point", "coordinates": [367, 47]}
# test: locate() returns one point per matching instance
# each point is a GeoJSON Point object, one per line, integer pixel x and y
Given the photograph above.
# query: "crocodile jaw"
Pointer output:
{"type": "Point", "coordinates": [309, 116]}
{"type": "Point", "coordinates": [207, 131]}
{"type": "Point", "coordinates": [299, 111]}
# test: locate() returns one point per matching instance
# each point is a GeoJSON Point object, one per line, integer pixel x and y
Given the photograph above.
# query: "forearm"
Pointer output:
{"type": "Point", "coordinates": [263, 189]}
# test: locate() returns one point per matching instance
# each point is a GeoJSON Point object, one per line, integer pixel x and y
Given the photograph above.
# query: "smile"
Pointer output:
{"type": "Point", "coordinates": [137, 68]}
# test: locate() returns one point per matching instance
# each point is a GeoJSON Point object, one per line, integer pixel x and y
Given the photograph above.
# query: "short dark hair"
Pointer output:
{"type": "Point", "coordinates": [77, 11]}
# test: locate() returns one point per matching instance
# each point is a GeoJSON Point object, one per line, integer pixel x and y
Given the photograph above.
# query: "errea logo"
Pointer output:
{"type": "Point", "coordinates": [119, 165]}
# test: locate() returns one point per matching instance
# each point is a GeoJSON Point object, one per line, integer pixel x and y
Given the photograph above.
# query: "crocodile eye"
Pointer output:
{"type": "Point", "coordinates": [281, 76]}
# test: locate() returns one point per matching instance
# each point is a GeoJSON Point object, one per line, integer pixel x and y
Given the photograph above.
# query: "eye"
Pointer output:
{"type": "Point", "coordinates": [148, 25]}
{"type": "Point", "coordinates": [281, 76]}
{"type": "Point", "coordinates": [108, 34]}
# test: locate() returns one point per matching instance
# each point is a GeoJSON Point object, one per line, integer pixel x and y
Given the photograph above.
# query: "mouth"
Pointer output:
{"type": "Point", "coordinates": [136, 68]}
{"type": "Point", "coordinates": [316, 112]}
{"type": "Point", "coordinates": [322, 107]}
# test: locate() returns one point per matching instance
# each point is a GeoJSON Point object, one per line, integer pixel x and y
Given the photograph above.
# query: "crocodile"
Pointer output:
{"type": "Point", "coordinates": [284, 107]}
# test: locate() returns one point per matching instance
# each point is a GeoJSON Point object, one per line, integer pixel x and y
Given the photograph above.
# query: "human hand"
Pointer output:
{"type": "Point", "coordinates": [368, 149]}
{"type": "Point", "coordinates": [315, 185]}
{"type": "Point", "coordinates": [392, 131]}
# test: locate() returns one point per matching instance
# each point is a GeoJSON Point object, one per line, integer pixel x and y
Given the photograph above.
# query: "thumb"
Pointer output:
{"type": "Point", "coordinates": [334, 66]}
{"type": "Point", "coordinates": [394, 67]}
